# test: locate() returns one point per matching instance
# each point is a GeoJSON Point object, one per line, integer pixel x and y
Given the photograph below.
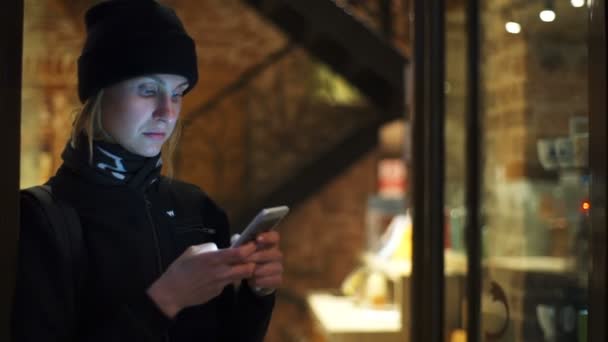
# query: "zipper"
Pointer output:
{"type": "Point", "coordinates": [157, 249]}
{"type": "Point", "coordinates": [155, 236]}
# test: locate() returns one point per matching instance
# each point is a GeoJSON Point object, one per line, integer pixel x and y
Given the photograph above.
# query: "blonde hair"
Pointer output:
{"type": "Point", "coordinates": [88, 120]}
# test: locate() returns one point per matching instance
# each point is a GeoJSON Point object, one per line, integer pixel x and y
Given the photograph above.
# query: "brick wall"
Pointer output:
{"type": "Point", "coordinates": [321, 242]}
{"type": "Point", "coordinates": [260, 135]}
{"type": "Point", "coordinates": [50, 48]}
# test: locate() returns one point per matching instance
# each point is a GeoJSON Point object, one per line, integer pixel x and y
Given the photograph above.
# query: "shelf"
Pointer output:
{"type": "Point", "coordinates": [338, 314]}
{"type": "Point", "coordinates": [543, 264]}
{"type": "Point", "coordinates": [455, 264]}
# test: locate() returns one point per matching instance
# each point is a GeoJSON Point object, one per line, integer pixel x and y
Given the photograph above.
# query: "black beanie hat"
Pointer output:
{"type": "Point", "coordinates": [130, 38]}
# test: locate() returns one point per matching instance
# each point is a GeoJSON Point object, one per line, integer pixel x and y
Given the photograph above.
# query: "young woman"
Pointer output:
{"type": "Point", "coordinates": [148, 272]}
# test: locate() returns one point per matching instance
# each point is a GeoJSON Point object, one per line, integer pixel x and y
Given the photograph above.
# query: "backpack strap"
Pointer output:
{"type": "Point", "coordinates": [66, 224]}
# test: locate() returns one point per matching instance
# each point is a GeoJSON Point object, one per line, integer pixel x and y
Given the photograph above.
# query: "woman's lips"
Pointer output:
{"type": "Point", "coordinates": [155, 135]}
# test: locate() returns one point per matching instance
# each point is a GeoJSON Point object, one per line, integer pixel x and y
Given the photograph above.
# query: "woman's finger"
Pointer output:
{"type": "Point", "coordinates": [231, 256]}
{"type": "Point", "coordinates": [267, 270]}
{"type": "Point", "coordinates": [268, 238]}
{"type": "Point", "coordinates": [271, 282]}
{"type": "Point", "coordinates": [238, 272]}
{"type": "Point", "coordinates": [267, 255]}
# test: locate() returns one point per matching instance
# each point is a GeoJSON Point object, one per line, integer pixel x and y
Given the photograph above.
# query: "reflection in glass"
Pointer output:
{"type": "Point", "coordinates": [535, 168]}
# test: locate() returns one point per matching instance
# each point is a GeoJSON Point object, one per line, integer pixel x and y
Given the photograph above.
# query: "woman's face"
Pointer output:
{"type": "Point", "coordinates": [140, 113]}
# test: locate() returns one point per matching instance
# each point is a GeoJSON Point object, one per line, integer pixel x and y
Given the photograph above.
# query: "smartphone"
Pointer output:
{"type": "Point", "coordinates": [264, 221]}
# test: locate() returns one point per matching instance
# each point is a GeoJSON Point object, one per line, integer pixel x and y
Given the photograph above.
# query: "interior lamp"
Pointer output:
{"type": "Point", "coordinates": [548, 14]}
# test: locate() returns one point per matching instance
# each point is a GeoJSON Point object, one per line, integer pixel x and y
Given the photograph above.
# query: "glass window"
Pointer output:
{"type": "Point", "coordinates": [535, 210]}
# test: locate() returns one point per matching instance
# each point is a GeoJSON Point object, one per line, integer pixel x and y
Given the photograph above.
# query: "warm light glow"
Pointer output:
{"type": "Point", "coordinates": [547, 15]}
{"type": "Point", "coordinates": [577, 3]}
{"type": "Point", "coordinates": [513, 27]}
{"type": "Point", "coordinates": [586, 205]}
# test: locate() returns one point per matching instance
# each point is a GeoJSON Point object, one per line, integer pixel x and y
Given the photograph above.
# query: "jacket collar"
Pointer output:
{"type": "Point", "coordinates": [111, 165]}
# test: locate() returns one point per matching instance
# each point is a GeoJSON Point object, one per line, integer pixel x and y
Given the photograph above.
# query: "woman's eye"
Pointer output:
{"type": "Point", "coordinates": [177, 96]}
{"type": "Point", "coordinates": [148, 91]}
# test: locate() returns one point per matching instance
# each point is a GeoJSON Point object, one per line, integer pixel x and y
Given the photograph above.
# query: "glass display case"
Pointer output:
{"type": "Point", "coordinates": [506, 94]}
{"type": "Point", "coordinates": [535, 170]}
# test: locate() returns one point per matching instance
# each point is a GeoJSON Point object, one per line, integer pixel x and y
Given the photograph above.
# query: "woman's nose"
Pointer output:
{"type": "Point", "coordinates": [167, 108]}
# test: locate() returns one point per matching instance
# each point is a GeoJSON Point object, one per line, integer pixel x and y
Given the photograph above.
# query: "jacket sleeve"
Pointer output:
{"type": "Point", "coordinates": [46, 301]}
{"type": "Point", "coordinates": [243, 315]}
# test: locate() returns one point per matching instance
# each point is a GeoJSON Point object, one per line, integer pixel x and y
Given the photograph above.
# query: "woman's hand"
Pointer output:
{"type": "Point", "coordinates": [268, 261]}
{"type": "Point", "coordinates": [198, 276]}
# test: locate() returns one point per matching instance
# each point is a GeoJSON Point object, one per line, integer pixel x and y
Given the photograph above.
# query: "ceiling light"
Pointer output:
{"type": "Point", "coordinates": [577, 3]}
{"type": "Point", "coordinates": [513, 27]}
{"type": "Point", "coordinates": [547, 15]}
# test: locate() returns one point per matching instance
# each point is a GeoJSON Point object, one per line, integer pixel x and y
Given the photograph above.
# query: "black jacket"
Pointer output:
{"type": "Point", "coordinates": [131, 233]}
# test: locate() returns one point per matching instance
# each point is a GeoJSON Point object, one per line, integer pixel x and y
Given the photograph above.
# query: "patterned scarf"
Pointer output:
{"type": "Point", "coordinates": [112, 164]}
